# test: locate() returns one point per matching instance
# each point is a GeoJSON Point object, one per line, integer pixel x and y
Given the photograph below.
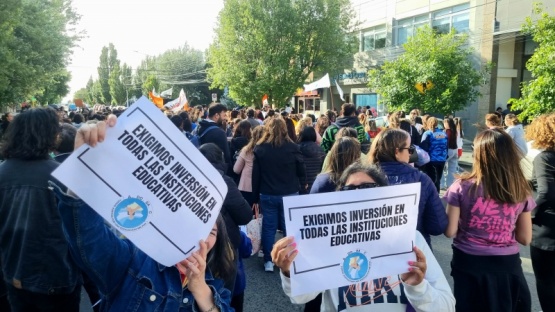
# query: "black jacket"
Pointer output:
{"type": "Point", "coordinates": [543, 229]}
{"type": "Point", "coordinates": [235, 209]}
{"type": "Point", "coordinates": [236, 144]}
{"type": "Point", "coordinates": [33, 248]}
{"type": "Point", "coordinates": [216, 136]}
{"type": "Point", "coordinates": [277, 170]}
{"type": "Point", "coordinates": [313, 157]}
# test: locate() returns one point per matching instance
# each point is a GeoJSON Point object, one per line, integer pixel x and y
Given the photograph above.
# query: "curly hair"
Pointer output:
{"type": "Point", "coordinates": [542, 132]}
{"type": "Point", "coordinates": [275, 133]}
{"type": "Point", "coordinates": [32, 135]}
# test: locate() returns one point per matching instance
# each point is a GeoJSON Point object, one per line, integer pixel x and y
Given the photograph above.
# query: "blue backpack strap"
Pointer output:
{"type": "Point", "coordinates": [207, 129]}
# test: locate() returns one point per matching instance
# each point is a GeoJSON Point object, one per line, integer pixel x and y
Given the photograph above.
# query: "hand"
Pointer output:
{"type": "Point", "coordinates": [91, 134]}
{"type": "Point", "coordinates": [284, 252]}
{"type": "Point", "coordinates": [196, 267]}
{"type": "Point", "coordinates": [417, 270]}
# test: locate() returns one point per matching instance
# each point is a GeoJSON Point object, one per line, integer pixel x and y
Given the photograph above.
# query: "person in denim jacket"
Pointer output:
{"type": "Point", "coordinates": [128, 279]}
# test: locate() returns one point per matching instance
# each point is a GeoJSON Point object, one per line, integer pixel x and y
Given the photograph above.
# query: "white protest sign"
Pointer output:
{"type": "Point", "coordinates": [149, 182]}
{"type": "Point", "coordinates": [347, 237]}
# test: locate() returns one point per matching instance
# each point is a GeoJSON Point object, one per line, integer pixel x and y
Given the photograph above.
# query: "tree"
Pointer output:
{"type": "Point", "coordinates": [271, 47]}
{"type": "Point", "coordinates": [36, 37]}
{"type": "Point", "coordinates": [82, 94]}
{"type": "Point", "coordinates": [538, 95]}
{"type": "Point", "coordinates": [108, 60]}
{"type": "Point", "coordinates": [440, 65]}
{"type": "Point", "coordinates": [54, 89]}
{"type": "Point", "coordinates": [90, 92]}
{"type": "Point", "coordinates": [117, 89]}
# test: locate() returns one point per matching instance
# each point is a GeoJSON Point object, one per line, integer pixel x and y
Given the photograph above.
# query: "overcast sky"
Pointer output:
{"type": "Point", "coordinates": [138, 28]}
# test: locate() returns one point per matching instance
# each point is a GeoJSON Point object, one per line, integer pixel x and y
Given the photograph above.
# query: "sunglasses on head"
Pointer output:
{"type": "Point", "coordinates": [360, 186]}
{"type": "Point", "coordinates": [411, 149]}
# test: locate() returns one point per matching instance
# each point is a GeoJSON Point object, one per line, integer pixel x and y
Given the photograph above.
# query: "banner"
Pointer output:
{"type": "Point", "coordinates": [324, 82]}
{"type": "Point", "coordinates": [339, 90]}
{"type": "Point", "coordinates": [350, 236]}
{"type": "Point", "coordinates": [179, 103]}
{"type": "Point", "coordinates": [167, 93]}
{"type": "Point", "coordinates": [158, 101]}
{"type": "Point", "coordinates": [148, 181]}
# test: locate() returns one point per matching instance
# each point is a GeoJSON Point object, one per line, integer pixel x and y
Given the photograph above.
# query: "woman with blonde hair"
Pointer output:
{"type": "Point", "coordinates": [321, 125]}
{"type": "Point", "coordinates": [489, 212]}
{"type": "Point", "coordinates": [344, 152]}
{"type": "Point", "coordinates": [434, 142]}
{"type": "Point", "coordinates": [243, 165]}
{"type": "Point", "coordinates": [306, 121]}
{"type": "Point", "coordinates": [516, 131]}
{"type": "Point", "coordinates": [493, 121]}
{"type": "Point", "coordinates": [542, 248]}
{"type": "Point", "coordinates": [362, 119]}
{"type": "Point", "coordinates": [278, 171]}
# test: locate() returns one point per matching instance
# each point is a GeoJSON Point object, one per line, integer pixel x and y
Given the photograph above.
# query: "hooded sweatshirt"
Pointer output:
{"type": "Point", "coordinates": [313, 157]}
{"type": "Point", "coordinates": [432, 219]}
{"type": "Point", "coordinates": [351, 121]}
{"type": "Point", "coordinates": [517, 133]}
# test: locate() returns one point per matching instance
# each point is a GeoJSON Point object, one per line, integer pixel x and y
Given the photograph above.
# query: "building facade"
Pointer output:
{"type": "Point", "coordinates": [494, 33]}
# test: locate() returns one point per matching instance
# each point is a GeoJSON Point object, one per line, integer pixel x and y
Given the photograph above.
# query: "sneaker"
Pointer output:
{"type": "Point", "coordinates": [260, 254]}
{"type": "Point", "coordinates": [268, 266]}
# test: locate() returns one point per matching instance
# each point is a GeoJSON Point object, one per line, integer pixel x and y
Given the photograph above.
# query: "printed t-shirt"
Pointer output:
{"type": "Point", "coordinates": [486, 227]}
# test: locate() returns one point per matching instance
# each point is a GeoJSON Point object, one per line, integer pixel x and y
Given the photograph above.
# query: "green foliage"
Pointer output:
{"type": "Point", "coordinates": [117, 89]}
{"type": "Point", "coordinates": [538, 95]}
{"type": "Point", "coordinates": [444, 60]}
{"type": "Point", "coordinates": [36, 37]}
{"type": "Point", "coordinates": [271, 47]}
{"type": "Point", "coordinates": [82, 94]}
{"type": "Point", "coordinates": [108, 63]}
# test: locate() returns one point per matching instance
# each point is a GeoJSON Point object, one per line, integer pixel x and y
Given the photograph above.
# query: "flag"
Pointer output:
{"type": "Point", "coordinates": [154, 92]}
{"type": "Point", "coordinates": [158, 101]}
{"type": "Point", "coordinates": [167, 93]}
{"type": "Point", "coordinates": [179, 103]}
{"type": "Point", "coordinates": [265, 99]}
{"type": "Point", "coordinates": [324, 82]}
{"type": "Point", "coordinates": [340, 91]}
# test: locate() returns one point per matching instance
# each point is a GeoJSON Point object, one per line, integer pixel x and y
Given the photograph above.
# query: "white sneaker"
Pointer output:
{"type": "Point", "coordinates": [260, 254]}
{"type": "Point", "coordinates": [268, 266]}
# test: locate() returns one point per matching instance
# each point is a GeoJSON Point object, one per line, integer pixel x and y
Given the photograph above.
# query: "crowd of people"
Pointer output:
{"type": "Point", "coordinates": [52, 243]}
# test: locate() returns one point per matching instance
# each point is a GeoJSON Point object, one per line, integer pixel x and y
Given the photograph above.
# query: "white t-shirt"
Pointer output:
{"type": "Point", "coordinates": [387, 294]}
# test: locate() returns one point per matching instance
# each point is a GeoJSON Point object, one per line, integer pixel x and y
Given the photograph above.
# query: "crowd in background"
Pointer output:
{"type": "Point", "coordinates": [265, 155]}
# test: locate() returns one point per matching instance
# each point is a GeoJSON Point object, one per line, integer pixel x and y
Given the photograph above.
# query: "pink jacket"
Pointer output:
{"type": "Point", "coordinates": [243, 166]}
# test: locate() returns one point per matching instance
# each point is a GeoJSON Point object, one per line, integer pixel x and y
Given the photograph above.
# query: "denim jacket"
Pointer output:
{"type": "Point", "coordinates": [127, 278]}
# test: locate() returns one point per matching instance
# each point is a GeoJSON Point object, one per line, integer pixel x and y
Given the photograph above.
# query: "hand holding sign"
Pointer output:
{"type": "Point", "coordinates": [92, 134]}
{"type": "Point", "coordinates": [417, 271]}
{"type": "Point", "coordinates": [284, 253]}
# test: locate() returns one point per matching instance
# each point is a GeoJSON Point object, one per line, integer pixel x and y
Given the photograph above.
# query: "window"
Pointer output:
{"type": "Point", "coordinates": [370, 99]}
{"type": "Point", "coordinates": [441, 21]}
{"type": "Point", "coordinates": [456, 17]}
{"type": "Point", "coordinates": [374, 38]}
{"type": "Point", "coordinates": [407, 27]}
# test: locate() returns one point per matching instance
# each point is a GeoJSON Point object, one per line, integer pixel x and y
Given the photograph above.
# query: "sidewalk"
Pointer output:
{"type": "Point", "coordinates": [465, 161]}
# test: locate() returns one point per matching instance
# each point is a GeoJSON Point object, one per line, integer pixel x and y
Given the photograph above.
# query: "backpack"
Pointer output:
{"type": "Point", "coordinates": [195, 138]}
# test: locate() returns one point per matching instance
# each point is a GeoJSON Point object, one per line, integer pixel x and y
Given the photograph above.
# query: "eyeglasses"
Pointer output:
{"type": "Point", "coordinates": [360, 186]}
{"type": "Point", "coordinates": [411, 149]}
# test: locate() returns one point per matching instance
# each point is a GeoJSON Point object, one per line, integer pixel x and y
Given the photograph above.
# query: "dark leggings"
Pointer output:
{"type": "Point", "coordinates": [434, 169]}
{"type": "Point", "coordinates": [543, 264]}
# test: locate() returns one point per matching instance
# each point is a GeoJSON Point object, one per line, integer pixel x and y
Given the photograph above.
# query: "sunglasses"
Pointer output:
{"type": "Point", "coordinates": [411, 149]}
{"type": "Point", "coordinates": [360, 186]}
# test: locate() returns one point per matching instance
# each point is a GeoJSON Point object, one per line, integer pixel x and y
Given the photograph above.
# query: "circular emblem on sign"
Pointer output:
{"type": "Point", "coordinates": [355, 266]}
{"type": "Point", "coordinates": [130, 213]}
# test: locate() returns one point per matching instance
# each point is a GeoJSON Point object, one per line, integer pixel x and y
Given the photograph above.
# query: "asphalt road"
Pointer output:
{"type": "Point", "coordinates": [264, 292]}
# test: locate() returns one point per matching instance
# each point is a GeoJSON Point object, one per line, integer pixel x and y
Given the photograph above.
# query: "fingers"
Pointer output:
{"type": "Point", "coordinates": [203, 248]}
{"type": "Point", "coordinates": [101, 131]}
{"type": "Point", "coordinates": [280, 244]}
{"type": "Point", "coordinates": [420, 257]}
{"type": "Point", "coordinates": [111, 120]}
{"type": "Point", "coordinates": [193, 269]}
{"type": "Point", "coordinates": [93, 136]}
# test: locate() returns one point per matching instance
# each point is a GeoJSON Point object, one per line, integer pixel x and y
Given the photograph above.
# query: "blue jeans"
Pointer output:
{"type": "Point", "coordinates": [271, 207]}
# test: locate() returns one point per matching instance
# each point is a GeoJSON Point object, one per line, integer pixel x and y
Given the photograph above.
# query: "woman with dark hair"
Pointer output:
{"type": "Point", "coordinates": [313, 156]}
{"type": "Point", "coordinates": [122, 271]}
{"type": "Point", "coordinates": [290, 129]}
{"type": "Point", "coordinates": [489, 215]}
{"type": "Point", "coordinates": [493, 121]}
{"type": "Point", "coordinates": [278, 171]}
{"type": "Point", "coordinates": [542, 248]}
{"type": "Point", "coordinates": [452, 153]}
{"type": "Point", "coordinates": [66, 141]}
{"type": "Point", "coordinates": [425, 285]}
{"type": "Point", "coordinates": [391, 151]}
{"type": "Point", "coordinates": [241, 137]}
{"type": "Point", "coordinates": [344, 152]}
{"type": "Point", "coordinates": [31, 219]}
{"type": "Point", "coordinates": [235, 210]}
{"type": "Point", "coordinates": [6, 119]}
{"type": "Point", "coordinates": [187, 124]}
{"type": "Point", "coordinates": [321, 125]}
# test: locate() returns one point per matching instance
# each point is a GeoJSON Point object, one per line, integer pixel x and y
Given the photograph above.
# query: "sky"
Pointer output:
{"type": "Point", "coordinates": [138, 28]}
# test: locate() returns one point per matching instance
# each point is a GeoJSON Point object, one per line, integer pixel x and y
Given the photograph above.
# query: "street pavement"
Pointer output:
{"type": "Point", "coordinates": [264, 292]}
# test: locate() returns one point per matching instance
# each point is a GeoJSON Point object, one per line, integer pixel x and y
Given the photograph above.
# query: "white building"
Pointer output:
{"type": "Point", "coordinates": [494, 33]}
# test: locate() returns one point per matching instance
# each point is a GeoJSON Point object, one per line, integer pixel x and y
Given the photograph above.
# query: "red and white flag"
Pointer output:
{"type": "Point", "coordinates": [178, 104]}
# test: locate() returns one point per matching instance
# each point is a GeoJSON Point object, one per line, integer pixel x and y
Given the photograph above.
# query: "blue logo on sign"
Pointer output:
{"type": "Point", "coordinates": [130, 213]}
{"type": "Point", "coordinates": [355, 266]}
